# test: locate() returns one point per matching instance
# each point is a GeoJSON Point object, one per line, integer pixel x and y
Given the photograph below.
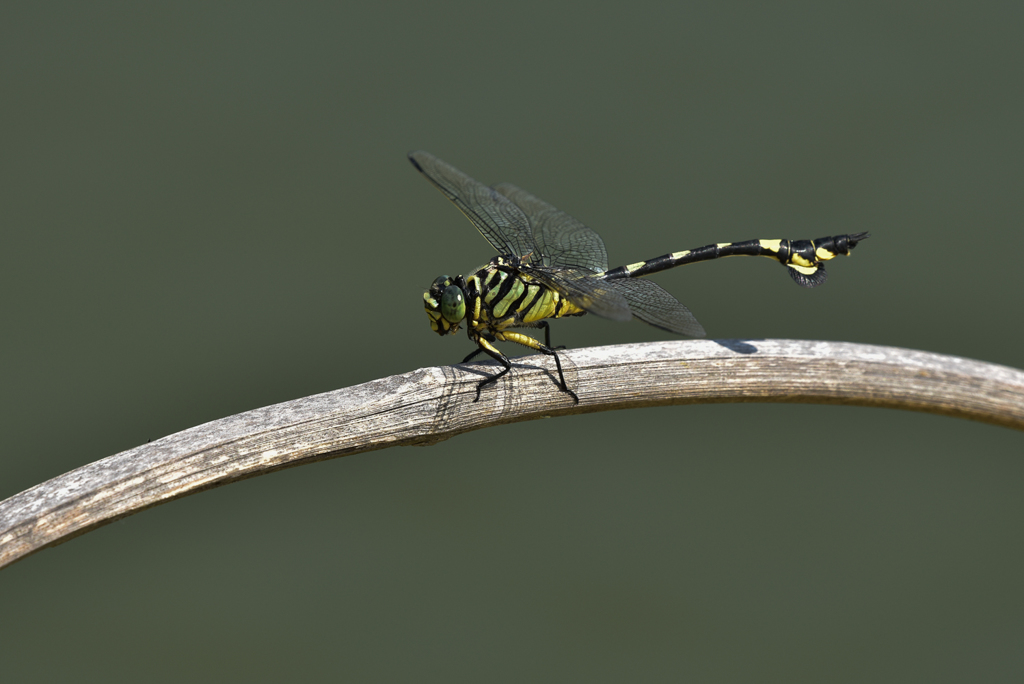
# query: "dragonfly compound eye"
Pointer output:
{"type": "Point", "coordinates": [440, 282]}
{"type": "Point", "coordinates": [453, 304]}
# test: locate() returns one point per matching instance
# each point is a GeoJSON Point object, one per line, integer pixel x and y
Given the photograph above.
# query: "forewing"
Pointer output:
{"type": "Point", "coordinates": [561, 239]}
{"type": "Point", "coordinates": [499, 220]}
{"type": "Point", "coordinates": [653, 305]}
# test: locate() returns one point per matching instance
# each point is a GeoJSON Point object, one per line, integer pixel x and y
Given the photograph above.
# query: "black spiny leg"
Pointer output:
{"type": "Point", "coordinates": [487, 348]}
{"type": "Point", "coordinates": [547, 333]}
{"type": "Point", "coordinates": [497, 356]}
{"type": "Point", "coordinates": [528, 341]}
{"type": "Point", "coordinates": [561, 377]}
{"type": "Point", "coordinates": [540, 324]}
{"type": "Point", "coordinates": [547, 336]}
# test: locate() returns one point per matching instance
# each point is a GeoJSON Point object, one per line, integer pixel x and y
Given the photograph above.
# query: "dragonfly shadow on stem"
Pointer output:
{"type": "Point", "coordinates": [738, 346]}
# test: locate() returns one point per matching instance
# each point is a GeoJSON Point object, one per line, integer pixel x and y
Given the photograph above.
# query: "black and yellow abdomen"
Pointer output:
{"type": "Point", "coordinates": [804, 259]}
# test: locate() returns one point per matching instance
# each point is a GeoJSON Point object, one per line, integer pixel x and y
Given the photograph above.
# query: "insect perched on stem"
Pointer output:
{"type": "Point", "coordinates": [549, 265]}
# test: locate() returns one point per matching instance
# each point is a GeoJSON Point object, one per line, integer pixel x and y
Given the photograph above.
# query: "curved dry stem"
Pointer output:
{"type": "Point", "coordinates": [432, 404]}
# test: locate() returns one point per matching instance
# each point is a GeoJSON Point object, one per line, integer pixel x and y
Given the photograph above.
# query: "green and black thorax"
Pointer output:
{"type": "Point", "coordinates": [550, 265]}
{"type": "Point", "coordinates": [501, 295]}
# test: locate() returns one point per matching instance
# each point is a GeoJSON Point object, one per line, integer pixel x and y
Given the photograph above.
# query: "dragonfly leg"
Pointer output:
{"type": "Point", "coordinates": [561, 377]}
{"type": "Point", "coordinates": [547, 333]}
{"type": "Point", "coordinates": [489, 349]}
{"type": "Point", "coordinates": [528, 341]}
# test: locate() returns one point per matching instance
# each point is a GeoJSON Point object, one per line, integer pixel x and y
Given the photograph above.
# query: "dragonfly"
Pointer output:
{"type": "Point", "coordinates": [550, 265]}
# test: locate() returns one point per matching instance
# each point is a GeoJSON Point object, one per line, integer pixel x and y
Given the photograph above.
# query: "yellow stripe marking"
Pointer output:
{"type": "Point", "coordinates": [493, 285]}
{"type": "Point", "coordinates": [531, 294]}
{"type": "Point", "coordinates": [801, 261]}
{"type": "Point", "coordinates": [771, 245]}
{"type": "Point", "coordinates": [680, 255]}
{"type": "Point", "coordinates": [806, 270]}
{"type": "Point", "coordinates": [544, 306]}
{"type": "Point", "coordinates": [723, 244]}
{"type": "Point", "coordinates": [636, 266]}
{"type": "Point", "coordinates": [823, 254]}
{"type": "Point", "coordinates": [501, 308]}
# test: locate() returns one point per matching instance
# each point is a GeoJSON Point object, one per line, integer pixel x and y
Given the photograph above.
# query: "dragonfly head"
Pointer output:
{"type": "Point", "coordinates": [445, 303]}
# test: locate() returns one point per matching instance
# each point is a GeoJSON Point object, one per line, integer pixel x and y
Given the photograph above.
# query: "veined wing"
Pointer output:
{"type": "Point", "coordinates": [600, 297]}
{"type": "Point", "coordinates": [653, 305]}
{"type": "Point", "coordinates": [497, 218]}
{"type": "Point", "coordinates": [562, 240]}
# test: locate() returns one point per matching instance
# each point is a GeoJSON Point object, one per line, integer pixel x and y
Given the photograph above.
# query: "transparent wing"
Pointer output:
{"type": "Point", "coordinates": [561, 239]}
{"type": "Point", "coordinates": [600, 297]}
{"type": "Point", "coordinates": [497, 218]}
{"type": "Point", "coordinates": [653, 305]}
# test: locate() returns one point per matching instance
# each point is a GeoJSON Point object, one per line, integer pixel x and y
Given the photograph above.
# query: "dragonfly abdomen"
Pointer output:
{"type": "Point", "coordinates": [803, 258]}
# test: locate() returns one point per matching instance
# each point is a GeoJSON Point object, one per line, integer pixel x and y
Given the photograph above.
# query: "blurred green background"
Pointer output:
{"type": "Point", "coordinates": [206, 208]}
